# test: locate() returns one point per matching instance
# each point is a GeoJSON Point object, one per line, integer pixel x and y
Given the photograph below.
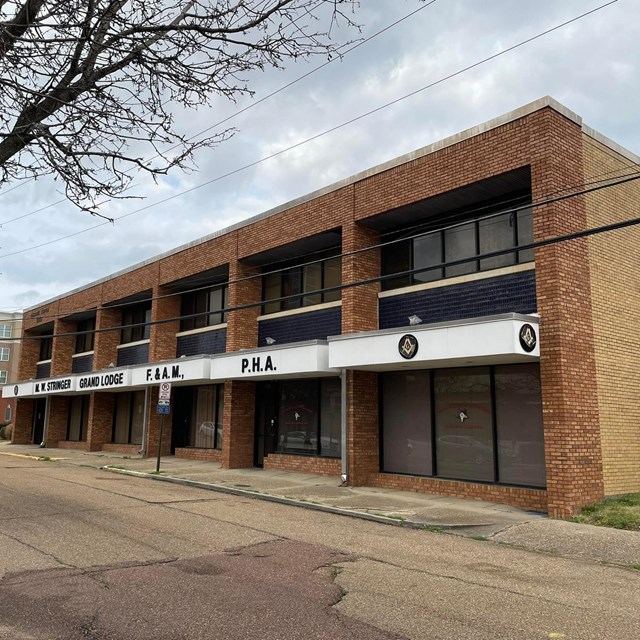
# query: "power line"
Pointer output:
{"type": "Point", "coordinates": [382, 278]}
{"type": "Point", "coordinates": [248, 107]}
{"type": "Point", "coordinates": [318, 135]}
{"type": "Point", "coordinates": [495, 207]}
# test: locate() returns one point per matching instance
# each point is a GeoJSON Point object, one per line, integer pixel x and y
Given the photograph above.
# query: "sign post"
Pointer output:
{"type": "Point", "coordinates": [163, 408]}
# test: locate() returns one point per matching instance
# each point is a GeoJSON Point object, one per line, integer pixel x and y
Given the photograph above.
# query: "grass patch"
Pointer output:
{"type": "Point", "coordinates": [44, 458]}
{"type": "Point", "coordinates": [622, 512]}
{"type": "Point", "coordinates": [482, 538]}
{"type": "Point", "coordinates": [635, 566]}
{"type": "Point", "coordinates": [433, 528]}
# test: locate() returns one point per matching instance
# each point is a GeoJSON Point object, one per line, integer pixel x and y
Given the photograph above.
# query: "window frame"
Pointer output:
{"type": "Point", "coordinates": [4, 375]}
{"type": "Point", "coordinates": [46, 347]}
{"type": "Point", "coordinates": [6, 330]}
{"type": "Point", "coordinates": [140, 315]}
{"type": "Point", "coordinates": [196, 310]}
{"type": "Point", "coordinates": [5, 351]}
{"type": "Point", "coordinates": [86, 335]}
{"type": "Point", "coordinates": [286, 275]}
{"type": "Point", "coordinates": [405, 251]}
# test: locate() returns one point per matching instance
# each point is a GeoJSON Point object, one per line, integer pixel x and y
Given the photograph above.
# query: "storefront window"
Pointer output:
{"type": "Point", "coordinates": [464, 434]}
{"type": "Point", "coordinates": [406, 417]}
{"type": "Point", "coordinates": [298, 416]}
{"type": "Point", "coordinates": [78, 418]}
{"type": "Point", "coordinates": [128, 421]}
{"type": "Point", "coordinates": [469, 406]}
{"type": "Point", "coordinates": [519, 422]}
{"type": "Point", "coordinates": [206, 421]}
{"type": "Point", "coordinates": [308, 417]}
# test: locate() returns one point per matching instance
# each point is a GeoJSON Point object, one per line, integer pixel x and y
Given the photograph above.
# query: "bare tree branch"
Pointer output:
{"type": "Point", "coordinates": [88, 88]}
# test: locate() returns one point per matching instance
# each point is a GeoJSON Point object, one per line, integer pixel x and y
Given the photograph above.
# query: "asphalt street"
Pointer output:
{"type": "Point", "coordinates": [89, 554]}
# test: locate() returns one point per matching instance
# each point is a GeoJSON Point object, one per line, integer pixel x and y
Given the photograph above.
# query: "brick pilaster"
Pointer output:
{"type": "Point", "coordinates": [23, 423]}
{"type": "Point", "coordinates": [100, 424]}
{"type": "Point", "coordinates": [242, 327]}
{"type": "Point", "coordinates": [563, 286]}
{"type": "Point", "coordinates": [58, 417]}
{"type": "Point", "coordinates": [106, 342]}
{"type": "Point", "coordinates": [238, 424]}
{"type": "Point", "coordinates": [360, 304]}
{"type": "Point", "coordinates": [363, 440]}
{"type": "Point", "coordinates": [29, 356]}
{"type": "Point", "coordinates": [163, 336]}
{"type": "Point", "coordinates": [63, 347]}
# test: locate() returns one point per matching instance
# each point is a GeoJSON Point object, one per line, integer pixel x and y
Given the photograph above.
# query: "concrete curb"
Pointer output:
{"type": "Point", "coordinates": [411, 524]}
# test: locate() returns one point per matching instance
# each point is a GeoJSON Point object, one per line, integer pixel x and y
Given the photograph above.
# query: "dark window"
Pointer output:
{"type": "Point", "coordinates": [204, 308]}
{"type": "Point", "coordinates": [46, 346]}
{"type": "Point", "coordinates": [206, 419]}
{"type": "Point", "coordinates": [309, 417]}
{"type": "Point", "coordinates": [406, 415]}
{"type": "Point", "coordinates": [84, 339]}
{"type": "Point", "coordinates": [469, 240]}
{"type": "Point", "coordinates": [305, 282]}
{"type": "Point", "coordinates": [128, 418]}
{"type": "Point", "coordinates": [78, 418]}
{"type": "Point", "coordinates": [485, 422]}
{"type": "Point", "coordinates": [136, 322]}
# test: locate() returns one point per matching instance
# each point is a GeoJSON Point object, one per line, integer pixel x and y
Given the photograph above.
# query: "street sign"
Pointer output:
{"type": "Point", "coordinates": [165, 391]}
{"type": "Point", "coordinates": [164, 403]}
{"type": "Point", "coordinates": [162, 409]}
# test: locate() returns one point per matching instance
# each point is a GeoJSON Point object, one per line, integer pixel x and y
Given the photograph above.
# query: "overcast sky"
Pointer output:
{"type": "Point", "coordinates": [592, 66]}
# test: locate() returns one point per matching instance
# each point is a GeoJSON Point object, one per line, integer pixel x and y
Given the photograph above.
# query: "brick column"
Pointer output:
{"type": "Point", "coordinates": [163, 336]}
{"type": "Point", "coordinates": [363, 436]}
{"type": "Point", "coordinates": [23, 422]}
{"type": "Point", "coordinates": [360, 304]}
{"type": "Point", "coordinates": [153, 426]}
{"type": "Point", "coordinates": [58, 416]}
{"type": "Point", "coordinates": [63, 347]}
{"type": "Point", "coordinates": [239, 397]}
{"type": "Point", "coordinates": [238, 424]}
{"type": "Point", "coordinates": [29, 356]}
{"type": "Point", "coordinates": [567, 358]}
{"type": "Point", "coordinates": [105, 345]}
{"type": "Point", "coordinates": [100, 423]}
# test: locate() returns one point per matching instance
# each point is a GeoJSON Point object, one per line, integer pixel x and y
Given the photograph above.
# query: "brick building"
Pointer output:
{"type": "Point", "coordinates": [10, 331]}
{"type": "Point", "coordinates": [396, 328]}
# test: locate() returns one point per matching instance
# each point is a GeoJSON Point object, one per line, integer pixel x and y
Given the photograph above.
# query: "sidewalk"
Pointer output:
{"type": "Point", "coordinates": [481, 520]}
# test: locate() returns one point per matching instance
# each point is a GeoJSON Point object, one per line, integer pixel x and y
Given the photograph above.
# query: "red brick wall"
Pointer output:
{"type": "Point", "coordinates": [205, 455]}
{"type": "Point", "coordinates": [106, 342]}
{"type": "Point", "coordinates": [303, 464]}
{"type": "Point", "coordinates": [100, 423]}
{"type": "Point", "coordinates": [63, 347]}
{"type": "Point", "coordinates": [58, 416]}
{"type": "Point", "coordinates": [23, 422]}
{"type": "Point", "coordinates": [163, 339]}
{"type": "Point", "coordinates": [238, 424]}
{"type": "Point", "coordinates": [363, 439]}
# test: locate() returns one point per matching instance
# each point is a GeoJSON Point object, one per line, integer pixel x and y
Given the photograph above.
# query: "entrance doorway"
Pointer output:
{"type": "Point", "coordinates": [39, 414]}
{"type": "Point", "coordinates": [267, 396]}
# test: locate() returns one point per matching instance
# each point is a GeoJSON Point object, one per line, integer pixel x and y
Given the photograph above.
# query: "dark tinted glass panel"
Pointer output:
{"type": "Point", "coordinates": [298, 416]}
{"type": "Point", "coordinates": [272, 284]}
{"type": "Point", "coordinates": [427, 251]}
{"type": "Point", "coordinates": [496, 234]}
{"type": "Point", "coordinates": [332, 278]}
{"type": "Point", "coordinates": [525, 234]}
{"type": "Point", "coordinates": [137, 417]}
{"type": "Point", "coordinates": [406, 421]}
{"type": "Point", "coordinates": [464, 439]}
{"type": "Point", "coordinates": [396, 258]}
{"type": "Point", "coordinates": [78, 415]}
{"type": "Point", "coordinates": [219, 415]}
{"type": "Point", "coordinates": [291, 285]}
{"type": "Point", "coordinates": [46, 344]}
{"type": "Point", "coordinates": [84, 339]}
{"type": "Point", "coordinates": [203, 421]}
{"type": "Point", "coordinates": [312, 281]}
{"type": "Point", "coordinates": [330, 432]}
{"type": "Point", "coordinates": [122, 417]}
{"type": "Point", "coordinates": [459, 243]}
{"type": "Point", "coordinates": [519, 420]}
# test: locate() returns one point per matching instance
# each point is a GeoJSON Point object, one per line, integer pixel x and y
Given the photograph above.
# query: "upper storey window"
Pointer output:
{"type": "Point", "coordinates": [46, 346]}
{"type": "Point", "coordinates": [5, 330]}
{"type": "Point", "coordinates": [136, 321]}
{"type": "Point", "coordinates": [444, 243]}
{"type": "Point", "coordinates": [305, 282]}
{"type": "Point", "coordinates": [85, 337]}
{"type": "Point", "coordinates": [204, 308]}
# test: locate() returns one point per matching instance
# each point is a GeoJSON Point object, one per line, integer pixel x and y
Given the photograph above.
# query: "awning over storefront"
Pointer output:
{"type": "Point", "coordinates": [179, 371]}
{"type": "Point", "coordinates": [498, 339]}
{"type": "Point", "coordinates": [296, 360]}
